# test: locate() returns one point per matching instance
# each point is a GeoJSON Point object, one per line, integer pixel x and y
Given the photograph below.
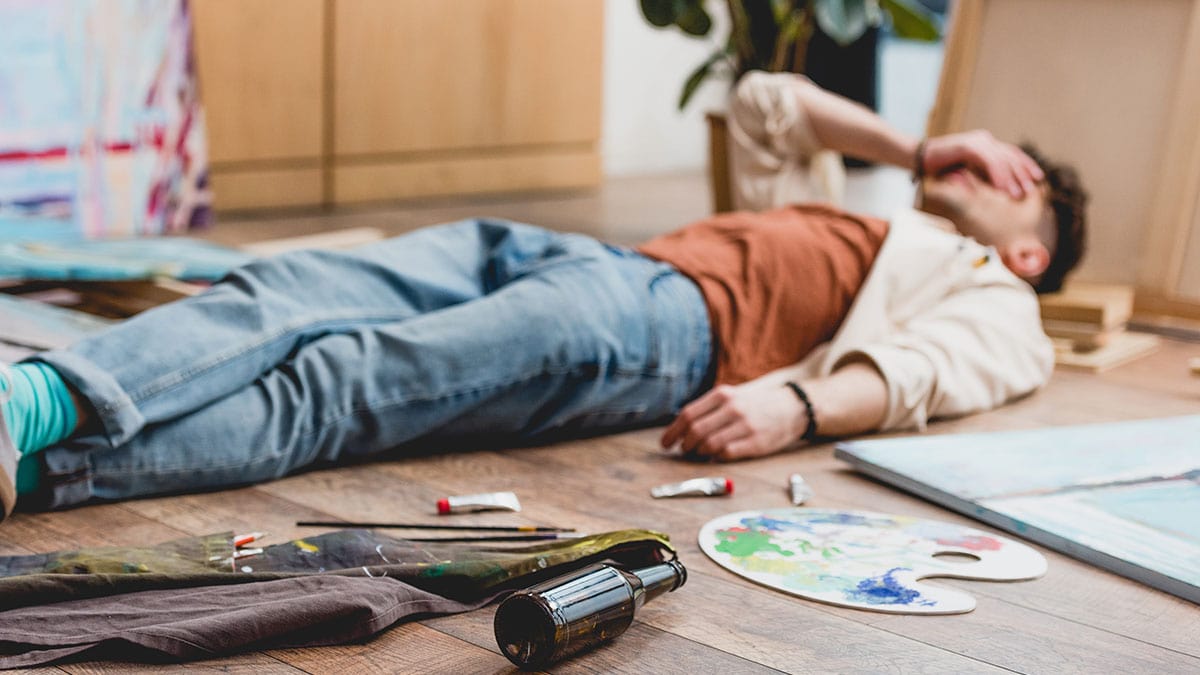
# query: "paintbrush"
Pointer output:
{"type": "Point", "coordinates": [431, 526]}
{"type": "Point", "coordinates": [498, 538]}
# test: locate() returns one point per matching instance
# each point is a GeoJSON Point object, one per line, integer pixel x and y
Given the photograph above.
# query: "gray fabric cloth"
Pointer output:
{"type": "Point", "coordinates": [190, 599]}
{"type": "Point", "coordinates": [208, 621]}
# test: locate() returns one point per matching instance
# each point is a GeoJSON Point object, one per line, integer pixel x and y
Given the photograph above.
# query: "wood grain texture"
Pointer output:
{"type": "Point", "coordinates": [1168, 261]}
{"type": "Point", "coordinates": [958, 68]}
{"type": "Point", "coordinates": [260, 70]}
{"type": "Point", "coordinates": [267, 187]}
{"type": "Point", "coordinates": [1077, 618]}
{"type": "Point", "coordinates": [416, 75]}
{"type": "Point", "coordinates": [570, 168]}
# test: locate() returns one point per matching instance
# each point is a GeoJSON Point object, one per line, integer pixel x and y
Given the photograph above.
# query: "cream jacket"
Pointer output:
{"type": "Point", "coordinates": [949, 328]}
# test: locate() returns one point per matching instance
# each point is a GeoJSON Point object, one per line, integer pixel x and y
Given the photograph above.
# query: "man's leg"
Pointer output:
{"type": "Point", "coordinates": [178, 358]}
{"type": "Point", "coordinates": [585, 339]}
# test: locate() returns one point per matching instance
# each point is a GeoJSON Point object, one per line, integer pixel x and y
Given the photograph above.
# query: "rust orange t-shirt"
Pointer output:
{"type": "Point", "coordinates": [777, 283]}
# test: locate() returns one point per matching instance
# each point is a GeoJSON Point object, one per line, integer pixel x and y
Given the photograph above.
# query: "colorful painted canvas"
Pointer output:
{"type": "Point", "coordinates": [101, 129]}
{"type": "Point", "coordinates": [865, 560]}
{"type": "Point", "coordinates": [1124, 496]}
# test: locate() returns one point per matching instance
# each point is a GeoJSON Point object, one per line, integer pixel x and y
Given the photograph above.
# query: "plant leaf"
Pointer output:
{"type": "Point", "coordinates": [694, 20]}
{"type": "Point", "coordinates": [661, 13]}
{"type": "Point", "coordinates": [697, 77]}
{"type": "Point", "coordinates": [911, 21]}
{"type": "Point", "coordinates": [843, 20]}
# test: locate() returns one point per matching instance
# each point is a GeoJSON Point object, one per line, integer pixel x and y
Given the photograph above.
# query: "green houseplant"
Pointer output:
{"type": "Point", "coordinates": [774, 35]}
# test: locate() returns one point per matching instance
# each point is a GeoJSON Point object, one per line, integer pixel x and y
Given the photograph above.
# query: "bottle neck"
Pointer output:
{"type": "Point", "coordinates": [659, 579]}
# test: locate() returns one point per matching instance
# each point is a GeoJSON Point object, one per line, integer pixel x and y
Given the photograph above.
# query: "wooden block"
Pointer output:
{"type": "Point", "coordinates": [1084, 336]}
{"type": "Point", "coordinates": [1123, 348]}
{"type": "Point", "coordinates": [1103, 305]}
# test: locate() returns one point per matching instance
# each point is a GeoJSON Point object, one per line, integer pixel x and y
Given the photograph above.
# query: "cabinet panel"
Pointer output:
{"type": "Point", "coordinates": [259, 188]}
{"type": "Point", "coordinates": [414, 75]}
{"type": "Point", "coordinates": [260, 67]}
{"type": "Point", "coordinates": [465, 175]}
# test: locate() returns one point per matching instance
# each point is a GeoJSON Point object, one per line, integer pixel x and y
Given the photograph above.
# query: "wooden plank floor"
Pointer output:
{"type": "Point", "coordinates": [1075, 619]}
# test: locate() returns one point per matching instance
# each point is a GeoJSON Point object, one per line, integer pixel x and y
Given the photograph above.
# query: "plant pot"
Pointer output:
{"type": "Point", "coordinates": [719, 180]}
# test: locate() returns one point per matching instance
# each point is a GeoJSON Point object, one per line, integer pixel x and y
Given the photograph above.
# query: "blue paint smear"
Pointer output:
{"type": "Point", "coordinates": [774, 524]}
{"type": "Point", "coordinates": [886, 590]}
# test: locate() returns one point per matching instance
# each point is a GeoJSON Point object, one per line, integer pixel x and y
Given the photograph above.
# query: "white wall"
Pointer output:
{"type": "Point", "coordinates": [644, 70]}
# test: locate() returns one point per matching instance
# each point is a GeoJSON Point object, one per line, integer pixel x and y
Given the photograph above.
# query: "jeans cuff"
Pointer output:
{"type": "Point", "coordinates": [118, 416]}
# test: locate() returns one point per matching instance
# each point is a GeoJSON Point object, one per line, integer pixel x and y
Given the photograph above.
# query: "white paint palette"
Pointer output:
{"type": "Point", "coordinates": [865, 560]}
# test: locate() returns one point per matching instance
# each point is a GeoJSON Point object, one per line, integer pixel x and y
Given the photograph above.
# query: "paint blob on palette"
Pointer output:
{"type": "Point", "coordinates": [865, 560]}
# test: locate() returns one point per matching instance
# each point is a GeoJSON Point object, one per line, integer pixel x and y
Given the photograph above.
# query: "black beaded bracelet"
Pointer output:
{"type": "Point", "coordinates": [810, 432]}
{"type": "Point", "coordinates": [919, 162]}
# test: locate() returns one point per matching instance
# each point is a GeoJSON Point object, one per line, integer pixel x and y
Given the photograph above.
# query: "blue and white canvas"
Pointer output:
{"type": "Point", "coordinates": [101, 128]}
{"type": "Point", "coordinates": [1124, 496]}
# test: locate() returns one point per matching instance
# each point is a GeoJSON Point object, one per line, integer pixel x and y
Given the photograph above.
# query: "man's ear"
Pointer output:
{"type": "Point", "coordinates": [1027, 257]}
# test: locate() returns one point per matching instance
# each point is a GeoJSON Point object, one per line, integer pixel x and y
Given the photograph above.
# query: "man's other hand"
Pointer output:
{"type": "Point", "coordinates": [731, 423]}
{"type": "Point", "coordinates": [1004, 165]}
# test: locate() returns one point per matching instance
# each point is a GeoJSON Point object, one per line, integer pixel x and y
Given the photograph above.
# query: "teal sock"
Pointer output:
{"type": "Point", "coordinates": [29, 474]}
{"type": "Point", "coordinates": [39, 413]}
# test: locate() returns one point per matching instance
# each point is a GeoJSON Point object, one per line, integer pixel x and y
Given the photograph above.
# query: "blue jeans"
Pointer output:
{"type": "Point", "coordinates": [477, 331]}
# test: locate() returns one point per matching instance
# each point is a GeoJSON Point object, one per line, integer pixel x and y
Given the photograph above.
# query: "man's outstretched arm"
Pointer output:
{"type": "Point", "coordinates": [763, 416]}
{"type": "Point", "coordinates": [977, 349]}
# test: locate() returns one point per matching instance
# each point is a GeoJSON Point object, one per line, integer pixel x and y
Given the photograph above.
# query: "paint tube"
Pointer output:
{"type": "Point", "coordinates": [799, 489]}
{"type": "Point", "coordinates": [696, 487]}
{"type": "Point", "coordinates": [487, 501]}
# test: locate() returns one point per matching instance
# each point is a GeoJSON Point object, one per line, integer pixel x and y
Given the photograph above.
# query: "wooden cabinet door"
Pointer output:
{"type": "Point", "coordinates": [421, 75]}
{"type": "Point", "coordinates": [260, 67]}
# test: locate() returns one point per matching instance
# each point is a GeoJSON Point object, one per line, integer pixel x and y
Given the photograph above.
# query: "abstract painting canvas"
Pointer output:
{"type": "Point", "coordinates": [101, 129]}
{"type": "Point", "coordinates": [1124, 496]}
{"type": "Point", "coordinates": [865, 560]}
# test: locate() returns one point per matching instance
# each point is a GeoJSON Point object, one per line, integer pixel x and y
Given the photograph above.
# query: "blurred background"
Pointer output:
{"type": "Point", "coordinates": [243, 120]}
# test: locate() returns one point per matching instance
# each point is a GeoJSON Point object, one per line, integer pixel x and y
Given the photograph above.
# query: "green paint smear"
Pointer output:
{"type": "Point", "coordinates": [745, 544]}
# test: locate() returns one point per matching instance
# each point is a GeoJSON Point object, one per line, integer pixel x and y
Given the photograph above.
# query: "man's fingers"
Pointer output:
{"type": "Point", "coordinates": [706, 426]}
{"type": "Point", "coordinates": [692, 412]}
{"type": "Point", "coordinates": [1000, 174]}
{"type": "Point", "coordinates": [742, 448]}
{"type": "Point", "coordinates": [717, 443]}
{"type": "Point", "coordinates": [1023, 169]}
{"type": "Point", "coordinates": [1035, 169]}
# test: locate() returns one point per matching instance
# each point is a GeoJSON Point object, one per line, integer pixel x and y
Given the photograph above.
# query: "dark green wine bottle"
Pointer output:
{"type": "Point", "coordinates": [578, 610]}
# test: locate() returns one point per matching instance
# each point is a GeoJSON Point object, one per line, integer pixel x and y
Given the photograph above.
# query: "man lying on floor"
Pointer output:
{"type": "Point", "coordinates": [754, 330]}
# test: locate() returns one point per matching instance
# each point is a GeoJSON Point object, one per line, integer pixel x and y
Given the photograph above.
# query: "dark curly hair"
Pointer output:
{"type": "Point", "coordinates": [1068, 200]}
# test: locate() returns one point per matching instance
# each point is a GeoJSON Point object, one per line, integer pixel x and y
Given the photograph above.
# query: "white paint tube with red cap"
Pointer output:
{"type": "Point", "coordinates": [696, 487]}
{"type": "Point", "coordinates": [487, 501]}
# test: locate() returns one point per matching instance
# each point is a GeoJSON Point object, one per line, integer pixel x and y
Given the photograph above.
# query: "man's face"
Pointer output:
{"type": "Point", "coordinates": [1017, 228]}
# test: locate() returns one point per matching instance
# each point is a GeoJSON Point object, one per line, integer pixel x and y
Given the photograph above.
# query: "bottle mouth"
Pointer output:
{"type": "Point", "coordinates": [524, 631]}
{"type": "Point", "coordinates": [681, 573]}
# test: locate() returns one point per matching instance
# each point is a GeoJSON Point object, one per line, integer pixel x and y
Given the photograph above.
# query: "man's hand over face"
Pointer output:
{"type": "Point", "coordinates": [1004, 165]}
{"type": "Point", "coordinates": [730, 423]}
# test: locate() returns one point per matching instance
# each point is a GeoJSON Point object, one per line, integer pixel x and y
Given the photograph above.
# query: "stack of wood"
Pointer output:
{"type": "Point", "coordinates": [1088, 324]}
